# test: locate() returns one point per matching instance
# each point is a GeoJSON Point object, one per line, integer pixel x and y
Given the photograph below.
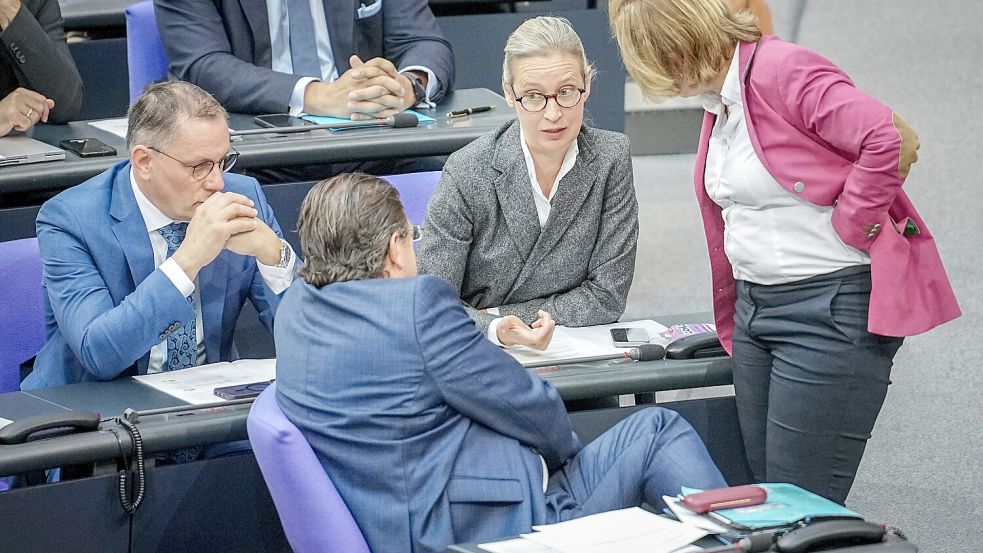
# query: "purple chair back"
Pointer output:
{"type": "Point", "coordinates": [415, 190]}
{"type": "Point", "coordinates": [22, 313]}
{"type": "Point", "coordinates": [314, 517]}
{"type": "Point", "coordinates": [145, 53]}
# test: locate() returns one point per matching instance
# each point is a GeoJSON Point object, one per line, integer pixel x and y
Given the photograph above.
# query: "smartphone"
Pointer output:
{"type": "Point", "coordinates": [280, 120]}
{"type": "Point", "coordinates": [629, 337]}
{"type": "Point", "coordinates": [241, 391]}
{"type": "Point", "coordinates": [88, 147]}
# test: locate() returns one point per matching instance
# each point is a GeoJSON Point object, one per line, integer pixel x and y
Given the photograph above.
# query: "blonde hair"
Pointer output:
{"type": "Point", "coordinates": [544, 35]}
{"type": "Point", "coordinates": [668, 43]}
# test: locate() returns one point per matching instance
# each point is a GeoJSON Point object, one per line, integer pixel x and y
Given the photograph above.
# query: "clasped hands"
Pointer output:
{"type": "Point", "coordinates": [512, 331]}
{"type": "Point", "coordinates": [369, 90]}
{"type": "Point", "coordinates": [229, 221]}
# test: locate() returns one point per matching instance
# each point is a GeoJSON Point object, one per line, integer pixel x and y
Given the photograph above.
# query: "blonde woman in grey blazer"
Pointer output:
{"type": "Point", "coordinates": [536, 223]}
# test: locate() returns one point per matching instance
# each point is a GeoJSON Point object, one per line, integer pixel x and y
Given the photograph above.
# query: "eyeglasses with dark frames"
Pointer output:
{"type": "Point", "coordinates": [567, 97]}
{"type": "Point", "coordinates": [201, 170]}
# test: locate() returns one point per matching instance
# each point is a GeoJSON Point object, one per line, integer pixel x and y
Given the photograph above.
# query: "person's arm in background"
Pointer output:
{"type": "Point", "coordinates": [484, 383]}
{"type": "Point", "coordinates": [759, 8]}
{"type": "Point", "coordinates": [38, 53]}
{"type": "Point", "coordinates": [413, 40]}
{"type": "Point", "coordinates": [601, 298]}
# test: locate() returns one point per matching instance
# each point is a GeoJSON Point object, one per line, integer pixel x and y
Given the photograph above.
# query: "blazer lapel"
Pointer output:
{"type": "Point", "coordinates": [259, 24]}
{"type": "Point", "coordinates": [340, 15]}
{"type": "Point", "coordinates": [573, 191]}
{"type": "Point", "coordinates": [212, 288]}
{"type": "Point", "coordinates": [514, 192]}
{"type": "Point", "coordinates": [131, 233]}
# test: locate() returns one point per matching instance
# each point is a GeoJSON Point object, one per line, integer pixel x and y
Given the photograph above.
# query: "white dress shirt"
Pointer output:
{"type": "Point", "coordinates": [771, 236]}
{"type": "Point", "coordinates": [543, 203]}
{"type": "Point", "coordinates": [276, 12]}
{"type": "Point", "coordinates": [278, 279]}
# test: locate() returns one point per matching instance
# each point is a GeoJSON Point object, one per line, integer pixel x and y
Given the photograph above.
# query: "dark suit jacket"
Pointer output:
{"type": "Point", "coordinates": [224, 46]}
{"type": "Point", "coordinates": [428, 431]}
{"type": "Point", "coordinates": [36, 57]}
{"type": "Point", "coordinates": [106, 306]}
{"type": "Point", "coordinates": [482, 233]}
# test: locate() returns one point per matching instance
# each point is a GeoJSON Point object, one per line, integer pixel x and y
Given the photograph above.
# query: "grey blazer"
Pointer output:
{"type": "Point", "coordinates": [482, 233]}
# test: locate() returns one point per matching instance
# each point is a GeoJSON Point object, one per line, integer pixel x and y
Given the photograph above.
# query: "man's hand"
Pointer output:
{"type": "Point", "coordinates": [261, 243]}
{"type": "Point", "coordinates": [384, 92]}
{"type": "Point", "coordinates": [22, 109]}
{"type": "Point", "coordinates": [8, 11]}
{"type": "Point", "coordinates": [367, 90]}
{"type": "Point", "coordinates": [511, 331]}
{"type": "Point", "coordinates": [221, 216]}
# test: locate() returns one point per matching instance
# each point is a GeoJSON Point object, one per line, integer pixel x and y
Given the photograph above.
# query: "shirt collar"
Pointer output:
{"type": "Point", "coordinates": [152, 216]}
{"type": "Point", "coordinates": [569, 159]}
{"type": "Point", "coordinates": [730, 91]}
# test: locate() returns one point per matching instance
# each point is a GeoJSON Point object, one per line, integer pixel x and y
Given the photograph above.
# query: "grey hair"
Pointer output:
{"type": "Point", "coordinates": [344, 226]}
{"type": "Point", "coordinates": [543, 35]}
{"type": "Point", "coordinates": [156, 116]}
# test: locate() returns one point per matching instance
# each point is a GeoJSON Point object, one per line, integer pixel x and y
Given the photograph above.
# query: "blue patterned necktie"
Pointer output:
{"type": "Point", "coordinates": [303, 44]}
{"type": "Point", "coordinates": [182, 344]}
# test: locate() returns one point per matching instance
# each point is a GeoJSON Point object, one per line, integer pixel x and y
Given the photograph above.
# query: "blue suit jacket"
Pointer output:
{"type": "Point", "coordinates": [429, 431]}
{"type": "Point", "coordinates": [106, 305]}
{"type": "Point", "coordinates": [224, 46]}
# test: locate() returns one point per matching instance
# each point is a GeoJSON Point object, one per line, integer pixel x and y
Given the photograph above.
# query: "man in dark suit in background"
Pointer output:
{"type": "Point", "coordinates": [344, 58]}
{"type": "Point", "coordinates": [38, 78]}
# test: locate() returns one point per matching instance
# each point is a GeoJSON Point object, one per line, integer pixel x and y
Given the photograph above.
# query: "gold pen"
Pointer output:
{"type": "Point", "coordinates": [469, 111]}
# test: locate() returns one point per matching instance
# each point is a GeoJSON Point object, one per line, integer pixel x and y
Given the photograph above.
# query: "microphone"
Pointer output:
{"type": "Point", "coordinates": [398, 121]}
{"type": "Point", "coordinates": [754, 543]}
{"type": "Point", "coordinates": [646, 352]}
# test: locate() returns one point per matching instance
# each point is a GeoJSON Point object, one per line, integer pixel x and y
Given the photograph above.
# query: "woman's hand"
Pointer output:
{"type": "Point", "coordinates": [512, 331]}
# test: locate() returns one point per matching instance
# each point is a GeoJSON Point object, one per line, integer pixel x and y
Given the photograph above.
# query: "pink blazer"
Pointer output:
{"type": "Point", "coordinates": [833, 145]}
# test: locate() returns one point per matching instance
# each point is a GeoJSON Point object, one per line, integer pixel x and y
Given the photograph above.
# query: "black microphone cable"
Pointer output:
{"type": "Point", "coordinates": [127, 498]}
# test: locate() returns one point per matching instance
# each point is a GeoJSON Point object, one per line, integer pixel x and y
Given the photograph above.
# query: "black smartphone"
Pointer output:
{"type": "Point", "coordinates": [88, 147]}
{"type": "Point", "coordinates": [629, 337]}
{"type": "Point", "coordinates": [280, 120]}
{"type": "Point", "coordinates": [241, 391]}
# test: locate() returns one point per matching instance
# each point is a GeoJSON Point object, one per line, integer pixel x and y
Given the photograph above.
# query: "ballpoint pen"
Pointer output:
{"type": "Point", "coordinates": [469, 111]}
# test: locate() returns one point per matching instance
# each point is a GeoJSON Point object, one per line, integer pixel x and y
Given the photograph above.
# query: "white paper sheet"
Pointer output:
{"type": "Point", "coordinates": [517, 545]}
{"type": "Point", "coordinates": [114, 126]}
{"type": "Point", "coordinates": [622, 531]}
{"type": "Point", "coordinates": [196, 385]}
{"type": "Point", "coordinates": [4, 422]}
{"type": "Point", "coordinates": [689, 517]}
{"type": "Point", "coordinates": [571, 344]}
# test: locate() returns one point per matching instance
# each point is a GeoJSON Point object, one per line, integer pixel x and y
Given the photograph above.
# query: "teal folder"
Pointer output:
{"type": "Point", "coordinates": [786, 504]}
{"type": "Point", "coordinates": [325, 120]}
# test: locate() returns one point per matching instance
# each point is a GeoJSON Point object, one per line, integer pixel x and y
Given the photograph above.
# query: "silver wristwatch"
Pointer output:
{"type": "Point", "coordinates": [284, 255]}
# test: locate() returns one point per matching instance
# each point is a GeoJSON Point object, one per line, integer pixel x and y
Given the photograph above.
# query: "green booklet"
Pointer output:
{"type": "Point", "coordinates": [786, 504]}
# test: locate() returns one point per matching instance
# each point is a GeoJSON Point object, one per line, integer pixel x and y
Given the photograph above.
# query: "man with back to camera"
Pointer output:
{"type": "Point", "coordinates": [325, 57]}
{"type": "Point", "coordinates": [432, 434]}
{"type": "Point", "coordinates": [146, 266]}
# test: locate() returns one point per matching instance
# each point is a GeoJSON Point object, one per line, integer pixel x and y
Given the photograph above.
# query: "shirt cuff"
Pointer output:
{"type": "Point", "coordinates": [296, 106]}
{"type": "Point", "coordinates": [278, 278]}
{"type": "Point", "coordinates": [432, 84]}
{"type": "Point", "coordinates": [493, 331]}
{"type": "Point", "coordinates": [177, 276]}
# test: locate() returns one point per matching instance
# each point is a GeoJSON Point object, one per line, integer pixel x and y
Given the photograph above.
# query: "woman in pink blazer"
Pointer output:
{"type": "Point", "coordinates": [820, 263]}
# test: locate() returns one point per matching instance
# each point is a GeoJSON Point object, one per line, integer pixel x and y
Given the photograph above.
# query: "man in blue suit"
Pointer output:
{"type": "Point", "coordinates": [431, 434]}
{"type": "Point", "coordinates": [147, 265]}
{"type": "Point", "coordinates": [360, 58]}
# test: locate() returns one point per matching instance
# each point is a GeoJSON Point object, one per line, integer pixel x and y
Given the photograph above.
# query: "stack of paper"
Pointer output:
{"type": "Point", "coordinates": [196, 385]}
{"type": "Point", "coordinates": [623, 531]}
{"type": "Point", "coordinates": [589, 343]}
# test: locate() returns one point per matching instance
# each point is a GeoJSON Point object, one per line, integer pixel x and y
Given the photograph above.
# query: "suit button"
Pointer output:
{"type": "Point", "coordinates": [799, 187]}
{"type": "Point", "coordinates": [20, 58]}
{"type": "Point", "coordinates": [162, 336]}
{"type": "Point", "coordinates": [14, 47]}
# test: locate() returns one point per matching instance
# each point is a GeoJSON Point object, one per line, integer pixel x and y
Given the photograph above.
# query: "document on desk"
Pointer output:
{"type": "Point", "coordinates": [622, 531]}
{"type": "Point", "coordinates": [587, 343]}
{"type": "Point", "coordinates": [196, 385]}
{"type": "Point", "coordinates": [114, 126]}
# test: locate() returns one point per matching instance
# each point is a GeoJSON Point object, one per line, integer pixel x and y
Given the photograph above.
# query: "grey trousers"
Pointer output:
{"type": "Point", "coordinates": [809, 378]}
